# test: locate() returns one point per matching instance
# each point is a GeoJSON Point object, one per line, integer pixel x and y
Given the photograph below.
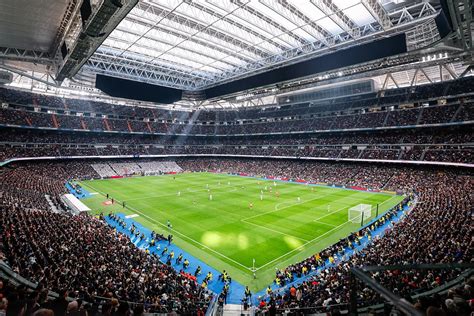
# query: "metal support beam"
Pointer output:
{"type": "Point", "coordinates": [25, 55]}
{"type": "Point", "coordinates": [229, 39]}
{"type": "Point", "coordinates": [238, 25]}
{"type": "Point", "coordinates": [69, 16]}
{"type": "Point", "coordinates": [338, 17]}
{"type": "Point", "coordinates": [389, 77]}
{"type": "Point", "coordinates": [468, 12]}
{"type": "Point", "coordinates": [394, 81]}
{"type": "Point", "coordinates": [32, 77]}
{"type": "Point", "coordinates": [259, 15]}
{"type": "Point", "coordinates": [468, 69]}
{"type": "Point", "coordinates": [378, 13]}
{"type": "Point", "coordinates": [310, 26]}
{"type": "Point", "coordinates": [427, 77]}
{"type": "Point", "coordinates": [154, 45]}
{"type": "Point", "coordinates": [152, 76]}
{"type": "Point", "coordinates": [451, 72]}
{"type": "Point", "coordinates": [193, 27]}
{"type": "Point", "coordinates": [206, 46]}
{"type": "Point", "coordinates": [96, 29]}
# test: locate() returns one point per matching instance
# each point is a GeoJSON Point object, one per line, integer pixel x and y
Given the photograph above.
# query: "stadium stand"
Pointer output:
{"type": "Point", "coordinates": [364, 103]}
{"type": "Point", "coordinates": [375, 128]}
{"type": "Point", "coordinates": [421, 237]}
{"type": "Point", "coordinates": [437, 144]}
{"type": "Point", "coordinates": [427, 106]}
{"type": "Point", "coordinates": [157, 167]}
{"type": "Point", "coordinates": [104, 170]}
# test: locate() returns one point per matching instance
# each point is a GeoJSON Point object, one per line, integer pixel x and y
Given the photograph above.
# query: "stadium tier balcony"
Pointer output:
{"type": "Point", "coordinates": [378, 128]}
{"type": "Point", "coordinates": [141, 126]}
{"type": "Point", "coordinates": [403, 117]}
{"type": "Point", "coordinates": [444, 145]}
{"type": "Point", "coordinates": [94, 123]}
{"type": "Point", "coordinates": [429, 115]}
{"type": "Point", "coordinates": [438, 114]}
{"type": "Point", "coordinates": [66, 121]}
{"type": "Point", "coordinates": [117, 125]}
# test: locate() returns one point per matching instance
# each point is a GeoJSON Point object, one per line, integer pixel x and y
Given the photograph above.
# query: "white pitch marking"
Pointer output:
{"type": "Point", "coordinates": [323, 223]}
{"type": "Point", "coordinates": [266, 264]}
{"type": "Point", "coordinates": [279, 209]}
{"type": "Point", "coordinates": [273, 230]}
{"type": "Point", "coordinates": [330, 213]}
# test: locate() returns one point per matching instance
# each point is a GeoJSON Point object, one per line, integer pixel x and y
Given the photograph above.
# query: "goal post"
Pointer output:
{"type": "Point", "coordinates": [359, 213]}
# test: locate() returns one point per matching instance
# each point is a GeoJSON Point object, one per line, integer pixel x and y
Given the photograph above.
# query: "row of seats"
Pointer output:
{"type": "Point", "coordinates": [106, 170]}
{"type": "Point", "coordinates": [389, 97]}
{"type": "Point", "coordinates": [431, 136]}
{"type": "Point", "coordinates": [443, 145]}
{"type": "Point", "coordinates": [417, 116]}
{"type": "Point", "coordinates": [457, 155]}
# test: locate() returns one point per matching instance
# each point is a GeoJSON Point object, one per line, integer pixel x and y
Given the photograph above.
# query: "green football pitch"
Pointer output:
{"type": "Point", "coordinates": [287, 223]}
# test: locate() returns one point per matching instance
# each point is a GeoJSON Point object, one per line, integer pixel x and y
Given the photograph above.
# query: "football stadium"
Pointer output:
{"type": "Point", "coordinates": [236, 157]}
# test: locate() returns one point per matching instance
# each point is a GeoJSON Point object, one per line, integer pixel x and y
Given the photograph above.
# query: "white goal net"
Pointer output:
{"type": "Point", "coordinates": [360, 212]}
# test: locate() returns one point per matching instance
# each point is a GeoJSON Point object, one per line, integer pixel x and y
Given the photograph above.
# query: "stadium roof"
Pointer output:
{"type": "Point", "coordinates": [197, 44]}
{"type": "Point", "coordinates": [193, 45]}
{"type": "Point", "coordinates": [31, 25]}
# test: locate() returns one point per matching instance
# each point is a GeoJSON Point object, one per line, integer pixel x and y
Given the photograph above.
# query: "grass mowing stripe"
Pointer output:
{"type": "Point", "coordinates": [173, 194]}
{"type": "Point", "coordinates": [330, 213]}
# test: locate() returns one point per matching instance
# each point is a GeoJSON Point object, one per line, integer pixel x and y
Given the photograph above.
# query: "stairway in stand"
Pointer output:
{"type": "Point", "coordinates": [106, 123]}
{"type": "Point", "coordinates": [55, 121]}
{"type": "Point", "coordinates": [83, 124]}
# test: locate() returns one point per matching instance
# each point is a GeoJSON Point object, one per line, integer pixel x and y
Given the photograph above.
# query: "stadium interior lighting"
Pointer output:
{"type": "Point", "coordinates": [236, 157]}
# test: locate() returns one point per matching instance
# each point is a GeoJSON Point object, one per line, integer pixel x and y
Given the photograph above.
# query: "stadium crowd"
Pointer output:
{"type": "Point", "coordinates": [93, 261]}
{"type": "Point", "coordinates": [99, 270]}
{"type": "Point", "coordinates": [438, 230]}
{"type": "Point", "coordinates": [421, 105]}
{"type": "Point", "coordinates": [435, 114]}
{"type": "Point", "coordinates": [447, 145]}
{"type": "Point", "coordinates": [323, 127]}
{"type": "Point", "coordinates": [80, 255]}
{"type": "Point", "coordinates": [134, 111]}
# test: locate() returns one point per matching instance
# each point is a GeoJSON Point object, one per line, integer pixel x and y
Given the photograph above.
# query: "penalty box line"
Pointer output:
{"type": "Point", "coordinates": [324, 223]}
{"type": "Point", "coordinates": [280, 209]}
{"type": "Point", "coordinates": [272, 230]}
{"type": "Point", "coordinates": [342, 208]}
{"type": "Point", "coordinates": [330, 213]}
{"type": "Point", "coordinates": [183, 235]}
{"type": "Point", "coordinates": [311, 241]}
